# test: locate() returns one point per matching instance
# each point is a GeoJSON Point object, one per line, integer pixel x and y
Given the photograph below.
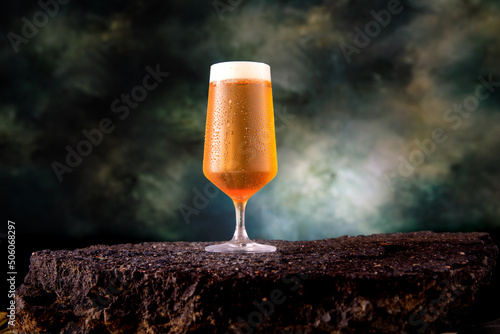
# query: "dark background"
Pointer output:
{"type": "Point", "coordinates": [343, 124]}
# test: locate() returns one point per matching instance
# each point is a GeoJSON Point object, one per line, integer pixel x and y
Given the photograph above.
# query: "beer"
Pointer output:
{"type": "Point", "coordinates": [240, 145]}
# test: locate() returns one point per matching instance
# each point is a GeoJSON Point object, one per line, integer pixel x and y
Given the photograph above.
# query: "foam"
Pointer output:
{"type": "Point", "coordinates": [240, 70]}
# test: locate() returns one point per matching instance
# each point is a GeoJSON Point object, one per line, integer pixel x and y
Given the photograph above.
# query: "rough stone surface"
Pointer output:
{"type": "Point", "coordinates": [386, 283]}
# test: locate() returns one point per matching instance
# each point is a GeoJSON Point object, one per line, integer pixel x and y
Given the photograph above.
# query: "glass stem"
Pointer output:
{"type": "Point", "coordinates": [240, 234]}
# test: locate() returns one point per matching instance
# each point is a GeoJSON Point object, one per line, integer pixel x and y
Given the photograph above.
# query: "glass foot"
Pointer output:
{"type": "Point", "coordinates": [243, 247]}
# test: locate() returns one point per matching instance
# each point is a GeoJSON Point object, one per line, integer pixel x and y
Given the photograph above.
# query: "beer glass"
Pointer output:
{"type": "Point", "coordinates": [240, 143]}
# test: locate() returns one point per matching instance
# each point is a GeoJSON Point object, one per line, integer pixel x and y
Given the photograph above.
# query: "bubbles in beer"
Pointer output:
{"type": "Point", "coordinates": [240, 156]}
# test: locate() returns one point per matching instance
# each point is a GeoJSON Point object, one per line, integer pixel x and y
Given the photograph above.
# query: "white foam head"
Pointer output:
{"type": "Point", "coordinates": [240, 70]}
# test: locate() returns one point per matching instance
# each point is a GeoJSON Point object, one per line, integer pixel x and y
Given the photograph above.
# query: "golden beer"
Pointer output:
{"type": "Point", "coordinates": [240, 144]}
